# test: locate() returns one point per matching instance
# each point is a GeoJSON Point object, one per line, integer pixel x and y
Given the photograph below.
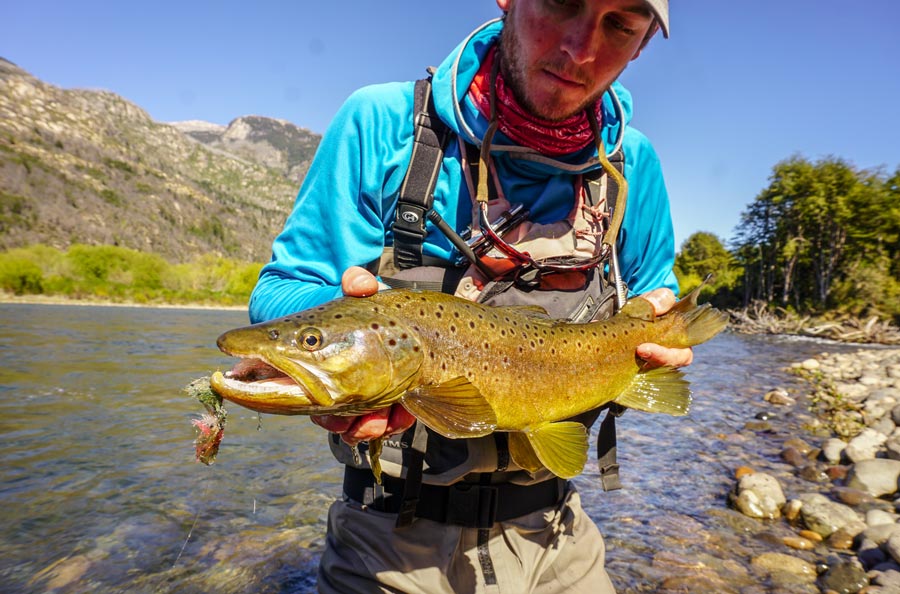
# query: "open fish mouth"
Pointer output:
{"type": "Point", "coordinates": [257, 372]}
{"type": "Point", "coordinates": [263, 387]}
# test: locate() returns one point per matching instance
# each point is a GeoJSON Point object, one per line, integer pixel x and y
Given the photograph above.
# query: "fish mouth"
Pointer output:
{"type": "Point", "coordinates": [278, 387]}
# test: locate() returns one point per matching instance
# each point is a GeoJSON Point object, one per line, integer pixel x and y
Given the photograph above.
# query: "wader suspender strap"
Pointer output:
{"type": "Point", "coordinates": [417, 192]}
{"type": "Point", "coordinates": [606, 437]}
{"type": "Point", "coordinates": [417, 438]}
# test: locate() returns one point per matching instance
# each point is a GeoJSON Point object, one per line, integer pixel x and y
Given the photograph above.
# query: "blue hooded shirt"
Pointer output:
{"type": "Point", "coordinates": [343, 213]}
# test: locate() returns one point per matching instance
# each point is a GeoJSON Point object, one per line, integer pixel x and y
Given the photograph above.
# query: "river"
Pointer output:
{"type": "Point", "coordinates": [100, 491]}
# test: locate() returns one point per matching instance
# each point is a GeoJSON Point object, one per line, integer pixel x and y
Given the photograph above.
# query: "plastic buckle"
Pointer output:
{"type": "Point", "coordinates": [406, 513]}
{"type": "Point", "coordinates": [472, 506]}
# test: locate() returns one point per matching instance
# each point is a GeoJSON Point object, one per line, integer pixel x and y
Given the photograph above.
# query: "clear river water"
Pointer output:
{"type": "Point", "coordinates": [99, 490]}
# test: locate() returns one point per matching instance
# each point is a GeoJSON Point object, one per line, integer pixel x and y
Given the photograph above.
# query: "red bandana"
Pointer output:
{"type": "Point", "coordinates": [549, 138]}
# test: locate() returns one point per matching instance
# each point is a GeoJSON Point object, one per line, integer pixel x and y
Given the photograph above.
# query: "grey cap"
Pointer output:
{"type": "Point", "coordinates": [660, 10]}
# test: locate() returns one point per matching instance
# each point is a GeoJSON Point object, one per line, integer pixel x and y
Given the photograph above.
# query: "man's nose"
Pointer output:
{"type": "Point", "coordinates": [582, 41]}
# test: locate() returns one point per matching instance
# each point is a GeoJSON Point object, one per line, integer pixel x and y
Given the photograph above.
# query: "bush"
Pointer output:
{"type": "Point", "coordinates": [19, 275]}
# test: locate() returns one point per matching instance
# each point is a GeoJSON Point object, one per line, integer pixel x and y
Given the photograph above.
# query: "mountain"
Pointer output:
{"type": "Point", "coordinates": [277, 144]}
{"type": "Point", "coordinates": [87, 166]}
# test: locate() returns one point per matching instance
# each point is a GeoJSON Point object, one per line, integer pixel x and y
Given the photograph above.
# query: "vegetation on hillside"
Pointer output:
{"type": "Point", "coordinates": [121, 274]}
{"type": "Point", "coordinates": [822, 238]}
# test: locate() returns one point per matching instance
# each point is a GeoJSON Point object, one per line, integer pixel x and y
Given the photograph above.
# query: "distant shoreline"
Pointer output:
{"type": "Point", "coordinates": [57, 300]}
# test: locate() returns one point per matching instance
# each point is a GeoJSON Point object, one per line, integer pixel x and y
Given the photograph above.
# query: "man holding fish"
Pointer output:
{"type": "Point", "coordinates": [503, 180]}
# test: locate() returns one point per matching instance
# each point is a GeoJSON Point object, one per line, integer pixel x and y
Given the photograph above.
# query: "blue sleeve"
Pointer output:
{"type": "Point", "coordinates": [339, 216]}
{"type": "Point", "coordinates": [647, 239]}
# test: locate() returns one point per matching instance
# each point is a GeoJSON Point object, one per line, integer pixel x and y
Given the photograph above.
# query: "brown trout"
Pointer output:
{"type": "Point", "coordinates": [464, 369]}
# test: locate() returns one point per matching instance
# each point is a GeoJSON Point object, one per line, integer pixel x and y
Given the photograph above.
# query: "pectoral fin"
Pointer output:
{"type": "Point", "coordinates": [522, 453]}
{"type": "Point", "coordinates": [561, 447]}
{"type": "Point", "coordinates": [660, 390]}
{"type": "Point", "coordinates": [454, 409]}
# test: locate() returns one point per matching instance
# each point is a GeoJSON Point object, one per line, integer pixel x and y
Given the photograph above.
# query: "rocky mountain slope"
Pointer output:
{"type": "Point", "coordinates": [84, 166]}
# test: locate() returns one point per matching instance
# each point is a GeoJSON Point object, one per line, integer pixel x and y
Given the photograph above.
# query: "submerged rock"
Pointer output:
{"type": "Point", "coordinates": [759, 495]}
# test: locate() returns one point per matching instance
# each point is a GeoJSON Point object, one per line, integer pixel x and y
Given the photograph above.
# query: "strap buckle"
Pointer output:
{"type": "Point", "coordinates": [472, 506]}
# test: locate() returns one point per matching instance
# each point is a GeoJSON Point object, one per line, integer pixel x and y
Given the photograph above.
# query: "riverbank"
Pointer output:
{"type": "Point", "coordinates": [59, 300]}
{"type": "Point", "coordinates": [760, 319]}
{"type": "Point", "coordinates": [844, 515]}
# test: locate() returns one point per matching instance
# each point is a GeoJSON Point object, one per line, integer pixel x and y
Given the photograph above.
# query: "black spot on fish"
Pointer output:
{"type": "Point", "coordinates": [472, 325]}
{"type": "Point", "coordinates": [541, 341]}
{"type": "Point", "coordinates": [422, 313]}
{"type": "Point", "coordinates": [453, 328]}
{"type": "Point", "coordinates": [404, 336]}
{"type": "Point", "coordinates": [374, 326]}
{"type": "Point", "coordinates": [438, 315]}
{"type": "Point", "coordinates": [503, 333]}
{"type": "Point", "coordinates": [533, 344]}
{"type": "Point", "coordinates": [486, 345]}
{"type": "Point", "coordinates": [392, 342]}
{"type": "Point", "coordinates": [553, 351]}
{"type": "Point", "coordinates": [456, 314]}
{"type": "Point", "coordinates": [338, 316]}
{"type": "Point", "coordinates": [416, 349]}
{"type": "Point", "coordinates": [392, 323]}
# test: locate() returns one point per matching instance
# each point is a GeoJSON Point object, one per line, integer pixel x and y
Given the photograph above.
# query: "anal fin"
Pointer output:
{"type": "Point", "coordinates": [561, 447]}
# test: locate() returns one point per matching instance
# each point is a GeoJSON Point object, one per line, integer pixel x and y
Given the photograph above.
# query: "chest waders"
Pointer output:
{"type": "Point", "coordinates": [478, 501]}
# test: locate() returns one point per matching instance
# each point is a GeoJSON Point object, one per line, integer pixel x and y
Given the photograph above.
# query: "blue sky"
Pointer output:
{"type": "Point", "coordinates": [739, 86]}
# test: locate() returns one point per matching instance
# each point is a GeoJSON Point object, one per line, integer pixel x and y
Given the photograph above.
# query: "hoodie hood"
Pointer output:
{"type": "Point", "coordinates": [451, 83]}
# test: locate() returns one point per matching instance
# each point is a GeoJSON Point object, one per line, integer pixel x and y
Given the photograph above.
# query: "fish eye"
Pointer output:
{"type": "Point", "coordinates": [274, 334]}
{"type": "Point", "coordinates": [310, 339]}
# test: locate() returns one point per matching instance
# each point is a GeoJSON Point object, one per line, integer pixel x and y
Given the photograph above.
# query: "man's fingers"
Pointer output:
{"type": "Point", "coordinates": [399, 420]}
{"type": "Point", "coordinates": [659, 356]}
{"type": "Point", "coordinates": [358, 282]}
{"type": "Point", "coordinates": [366, 427]}
{"type": "Point", "coordinates": [662, 300]}
{"type": "Point", "coordinates": [332, 423]}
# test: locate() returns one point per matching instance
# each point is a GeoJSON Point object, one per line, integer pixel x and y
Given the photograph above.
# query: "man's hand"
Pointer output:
{"type": "Point", "coordinates": [359, 282]}
{"type": "Point", "coordinates": [654, 354]}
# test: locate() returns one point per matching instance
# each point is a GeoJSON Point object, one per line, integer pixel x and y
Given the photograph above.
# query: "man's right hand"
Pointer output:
{"type": "Point", "coordinates": [359, 282]}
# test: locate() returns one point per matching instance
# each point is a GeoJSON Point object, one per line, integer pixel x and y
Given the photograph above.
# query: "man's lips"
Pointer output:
{"type": "Point", "coordinates": [564, 79]}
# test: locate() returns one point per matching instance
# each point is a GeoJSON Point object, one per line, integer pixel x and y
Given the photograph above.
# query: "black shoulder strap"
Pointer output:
{"type": "Point", "coordinates": [417, 192]}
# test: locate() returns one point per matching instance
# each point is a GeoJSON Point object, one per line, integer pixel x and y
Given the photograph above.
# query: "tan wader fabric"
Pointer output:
{"type": "Point", "coordinates": [558, 550]}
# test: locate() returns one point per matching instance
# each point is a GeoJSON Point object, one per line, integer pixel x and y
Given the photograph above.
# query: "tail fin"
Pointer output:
{"type": "Point", "coordinates": [702, 321]}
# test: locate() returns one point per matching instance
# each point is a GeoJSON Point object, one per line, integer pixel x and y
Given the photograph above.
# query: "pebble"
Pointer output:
{"type": "Point", "coordinates": [759, 495]}
{"type": "Point", "coordinates": [743, 471]}
{"type": "Point", "coordinates": [845, 577]}
{"type": "Point", "coordinates": [810, 364]}
{"type": "Point", "coordinates": [779, 397]}
{"type": "Point", "coordinates": [779, 563]}
{"type": "Point", "coordinates": [798, 542]}
{"type": "Point", "coordinates": [877, 477]}
{"type": "Point", "coordinates": [810, 535]}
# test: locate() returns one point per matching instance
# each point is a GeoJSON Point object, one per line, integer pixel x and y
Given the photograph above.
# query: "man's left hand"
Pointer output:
{"type": "Point", "coordinates": [654, 354]}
